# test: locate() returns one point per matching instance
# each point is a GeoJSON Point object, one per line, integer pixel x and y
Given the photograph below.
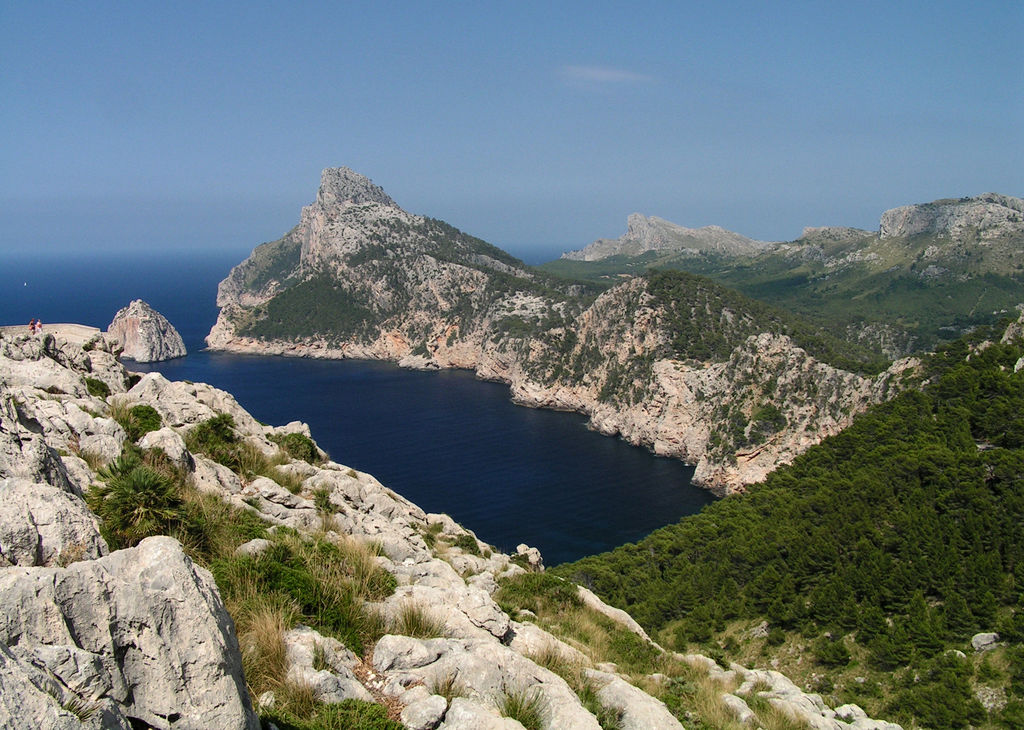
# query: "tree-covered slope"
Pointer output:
{"type": "Point", "coordinates": [872, 555]}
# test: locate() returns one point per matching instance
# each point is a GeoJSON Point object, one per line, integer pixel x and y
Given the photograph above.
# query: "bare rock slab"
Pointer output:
{"type": "Point", "coordinates": [149, 622]}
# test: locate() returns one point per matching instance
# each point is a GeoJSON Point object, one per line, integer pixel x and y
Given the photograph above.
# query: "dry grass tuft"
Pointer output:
{"type": "Point", "coordinates": [416, 621]}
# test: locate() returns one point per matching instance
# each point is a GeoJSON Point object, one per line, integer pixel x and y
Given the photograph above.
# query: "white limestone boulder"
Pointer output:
{"type": "Point", "coordinates": [171, 443]}
{"type": "Point", "coordinates": [485, 669]}
{"type": "Point", "coordinates": [155, 623]}
{"type": "Point", "coordinates": [185, 404]}
{"type": "Point", "coordinates": [31, 699]}
{"type": "Point", "coordinates": [464, 714]}
{"type": "Point", "coordinates": [637, 710]}
{"type": "Point", "coordinates": [44, 525]}
{"type": "Point", "coordinates": [25, 454]}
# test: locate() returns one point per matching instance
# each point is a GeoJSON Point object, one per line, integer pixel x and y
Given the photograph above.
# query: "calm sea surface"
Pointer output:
{"type": "Point", "coordinates": [445, 440]}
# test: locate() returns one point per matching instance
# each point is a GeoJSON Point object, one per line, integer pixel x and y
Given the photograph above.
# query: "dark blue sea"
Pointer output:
{"type": "Point", "coordinates": [445, 440]}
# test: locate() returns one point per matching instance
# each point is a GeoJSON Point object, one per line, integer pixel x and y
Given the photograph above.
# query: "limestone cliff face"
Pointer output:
{"type": "Point", "coordinates": [365, 279]}
{"type": "Point", "coordinates": [990, 214]}
{"type": "Point", "coordinates": [145, 335]}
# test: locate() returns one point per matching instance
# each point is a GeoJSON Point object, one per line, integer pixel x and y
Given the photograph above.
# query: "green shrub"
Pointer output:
{"type": "Point", "coordinates": [97, 387]}
{"type": "Point", "coordinates": [941, 696]}
{"type": "Point", "coordinates": [524, 706]}
{"type": "Point", "coordinates": [216, 438]}
{"type": "Point", "coordinates": [212, 434]}
{"type": "Point", "coordinates": [629, 651]}
{"type": "Point", "coordinates": [298, 446]}
{"type": "Point", "coordinates": [137, 420]}
{"type": "Point", "coordinates": [135, 501]}
{"type": "Point", "coordinates": [467, 543]}
{"type": "Point", "coordinates": [536, 592]}
{"type": "Point", "coordinates": [322, 500]}
{"type": "Point", "coordinates": [832, 653]}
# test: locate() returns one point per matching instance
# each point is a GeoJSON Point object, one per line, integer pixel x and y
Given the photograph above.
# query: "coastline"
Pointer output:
{"type": "Point", "coordinates": [675, 421]}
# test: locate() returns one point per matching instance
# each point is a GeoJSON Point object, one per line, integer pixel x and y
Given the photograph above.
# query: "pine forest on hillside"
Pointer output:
{"type": "Point", "coordinates": [874, 557]}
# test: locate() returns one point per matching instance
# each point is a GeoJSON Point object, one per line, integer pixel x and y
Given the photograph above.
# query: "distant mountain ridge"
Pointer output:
{"type": "Point", "coordinates": [991, 214]}
{"type": "Point", "coordinates": [656, 234]}
{"type": "Point", "coordinates": [930, 272]}
{"type": "Point", "coordinates": [661, 360]}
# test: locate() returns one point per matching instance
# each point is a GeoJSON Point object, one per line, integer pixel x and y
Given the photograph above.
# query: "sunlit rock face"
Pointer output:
{"type": "Point", "coordinates": [145, 335]}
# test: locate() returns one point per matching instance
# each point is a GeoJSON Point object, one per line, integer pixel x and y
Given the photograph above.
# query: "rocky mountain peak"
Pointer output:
{"type": "Point", "coordinates": [342, 185]}
{"type": "Point", "coordinates": [650, 233]}
{"type": "Point", "coordinates": [990, 213]}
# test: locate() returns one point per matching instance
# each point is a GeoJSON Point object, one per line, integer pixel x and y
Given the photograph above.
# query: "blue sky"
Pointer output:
{"type": "Point", "coordinates": [536, 126]}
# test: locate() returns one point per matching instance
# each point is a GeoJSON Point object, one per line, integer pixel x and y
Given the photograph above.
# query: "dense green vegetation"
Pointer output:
{"type": "Point", "coordinates": [137, 420]}
{"type": "Point", "coordinates": [97, 387]}
{"type": "Point", "coordinates": [705, 321]}
{"type": "Point", "coordinates": [318, 306]}
{"type": "Point", "coordinates": [881, 548]}
{"type": "Point", "coordinates": [298, 446]}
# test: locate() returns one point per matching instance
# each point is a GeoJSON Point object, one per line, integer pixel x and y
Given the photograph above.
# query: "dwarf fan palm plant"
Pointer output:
{"type": "Point", "coordinates": [135, 501]}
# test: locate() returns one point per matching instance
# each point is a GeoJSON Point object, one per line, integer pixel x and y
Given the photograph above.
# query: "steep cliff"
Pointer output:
{"type": "Point", "coordinates": [669, 361]}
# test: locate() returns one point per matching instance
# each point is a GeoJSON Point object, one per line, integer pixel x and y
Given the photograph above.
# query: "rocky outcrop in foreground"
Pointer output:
{"type": "Point", "coordinates": [145, 335]}
{"type": "Point", "coordinates": [140, 637]}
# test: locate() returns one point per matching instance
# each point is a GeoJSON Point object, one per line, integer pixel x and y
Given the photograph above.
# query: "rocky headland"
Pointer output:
{"type": "Point", "coordinates": [142, 636]}
{"type": "Point", "coordinates": [681, 367]}
{"type": "Point", "coordinates": [145, 335]}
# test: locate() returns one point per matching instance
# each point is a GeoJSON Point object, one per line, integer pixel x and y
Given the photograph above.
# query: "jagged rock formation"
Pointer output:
{"type": "Point", "coordinates": [136, 635]}
{"type": "Point", "coordinates": [145, 335]}
{"type": "Point", "coordinates": [359, 277]}
{"type": "Point", "coordinates": [656, 234]}
{"type": "Point", "coordinates": [94, 638]}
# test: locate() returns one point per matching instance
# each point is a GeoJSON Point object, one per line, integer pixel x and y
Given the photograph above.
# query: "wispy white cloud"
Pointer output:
{"type": "Point", "coordinates": [602, 76]}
